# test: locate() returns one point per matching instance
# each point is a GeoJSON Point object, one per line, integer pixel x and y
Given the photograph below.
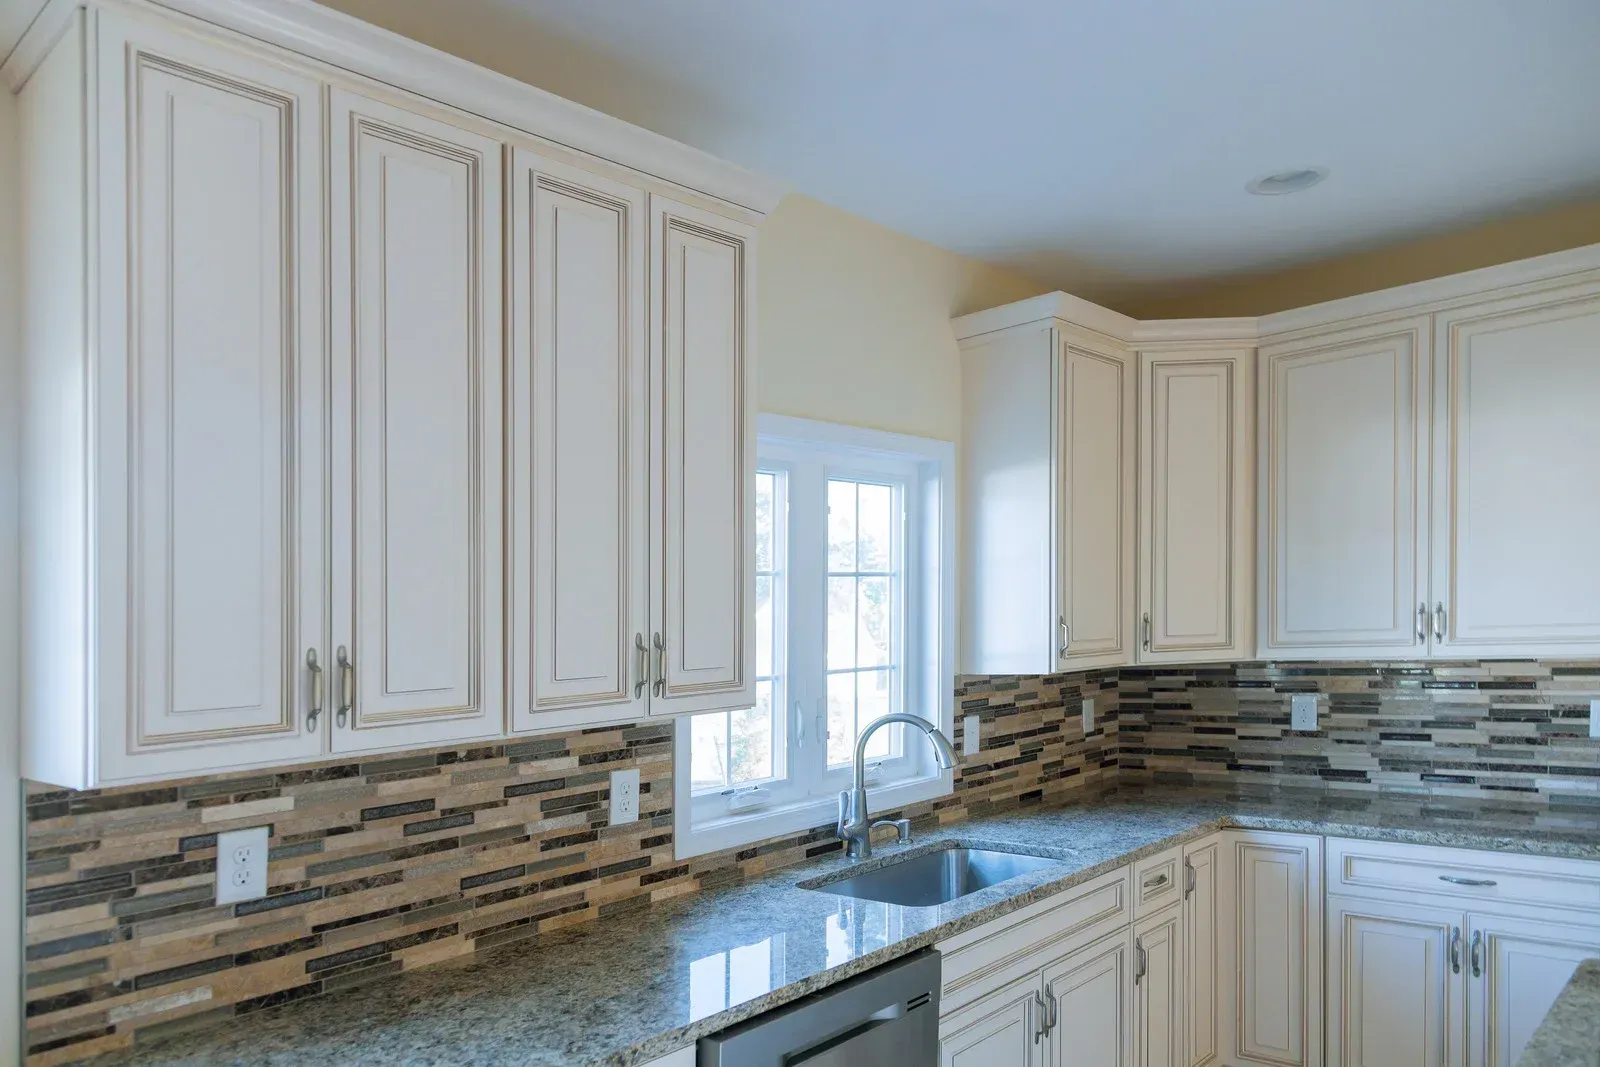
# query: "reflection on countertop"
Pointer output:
{"type": "Point", "coordinates": [622, 991]}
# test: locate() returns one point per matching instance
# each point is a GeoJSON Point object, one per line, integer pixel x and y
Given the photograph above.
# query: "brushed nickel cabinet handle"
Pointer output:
{"type": "Point", "coordinates": [1141, 961]}
{"type": "Point", "coordinates": [1066, 636]}
{"type": "Point", "coordinates": [1477, 953]}
{"type": "Point", "coordinates": [1052, 1005]}
{"type": "Point", "coordinates": [1147, 630]}
{"type": "Point", "coordinates": [1189, 878]}
{"type": "Point", "coordinates": [1040, 1028]}
{"type": "Point", "coordinates": [660, 688]}
{"type": "Point", "coordinates": [315, 668]}
{"type": "Point", "coordinates": [641, 667]}
{"type": "Point", "coordinates": [1455, 950]}
{"type": "Point", "coordinates": [1440, 618]}
{"type": "Point", "coordinates": [347, 686]}
{"type": "Point", "coordinates": [1422, 622]}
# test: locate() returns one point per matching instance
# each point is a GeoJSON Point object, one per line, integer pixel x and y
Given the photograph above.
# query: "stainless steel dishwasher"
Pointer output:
{"type": "Point", "coordinates": [888, 1015]}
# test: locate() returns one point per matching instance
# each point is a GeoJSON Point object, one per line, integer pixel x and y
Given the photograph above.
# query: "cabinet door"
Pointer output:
{"type": "Point", "coordinates": [416, 422]}
{"type": "Point", "coordinates": [1343, 480]}
{"type": "Point", "coordinates": [1090, 997]}
{"type": "Point", "coordinates": [1518, 967]}
{"type": "Point", "coordinates": [703, 461]}
{"type": "Point", "coordinates": [1202, 949]}
{"type": "Point", "coordinates": [1096, 531]}
{"type": "Point", "coordinates": [1395, 984]}
{"type": "Point", "coordinates": [1159, 997]}
{"type": "Point", "coordinates": [1001, 1030]}
{"type": "Point", "coordinates": [579, 492]}
{"type": "Point", "coordinates": [1277, 951]}
{"type": "Point", "coordinates": [209, 405]}
{"type": "Point", "coordinates": [1197, 485]}
{"type": "Point", "coordinates": [1515, 435]}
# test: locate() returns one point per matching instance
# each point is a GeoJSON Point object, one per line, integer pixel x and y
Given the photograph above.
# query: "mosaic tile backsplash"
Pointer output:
{"type": "Point", "coordinates": [395, 862]}
{"type": "Point", "coordinates": [1512, 731]}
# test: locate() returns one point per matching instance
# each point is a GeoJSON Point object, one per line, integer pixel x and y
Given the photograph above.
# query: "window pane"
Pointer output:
{"type": "Point", "coordinates": [874, 613]}
{"type": "Point", "coordinates": [765, 484]}
{"type": "Point", "coordinates": [841, 526]}
{"type": "Point", "coordinates": [841, 623]}
{"type": "Point", "coordinates": [708, 751]}
{"type": "Point", "coordinates": [764, 627]}
{"type": "Point", "coordinates": [750, 741]}
{"type": "Point", "coordinates": [875, 527]}
{"type": "Point", "coordinates": [841, 718]}
{"type": "Point", "coordinates": [872, 701]}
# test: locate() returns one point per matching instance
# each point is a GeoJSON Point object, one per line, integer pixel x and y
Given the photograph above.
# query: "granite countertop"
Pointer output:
{"type": "Point", "coordinates": [629, 989]}
{"type": "Point", "coordinates": [1570, 1033]}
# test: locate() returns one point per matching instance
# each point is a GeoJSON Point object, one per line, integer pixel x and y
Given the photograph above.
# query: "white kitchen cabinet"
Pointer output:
{"type": "Point", "coordinates": [1196, 505]}
{"type": "Point", "coordinates": [1003, 1029]}
{"type": "Point", "coordinates": [578, 469]}
{"type": "Point", "coordinates": [1517, 967]}
{"type": "Point", "coordinates": [417, 527]}
{"type": "Point", "coordinates": [1159, 999]}
{"type": "Point", "coordinates": [702, 548]}
{"type": "Point", "coordinates": [1395, 984]}
{"type": "Point", "coordinates": [1203, 933]}
{"type": "Point", "coordinates": [1048, 449]}
{"type": "Point", "coordinates": [1343, 486]}
{"type": "Point", "coordinates": [1275, 957]}
{"type": "Point", "coordinates": [1516, 384]}
{"type": "Point", "coordinates": [1090, 998]}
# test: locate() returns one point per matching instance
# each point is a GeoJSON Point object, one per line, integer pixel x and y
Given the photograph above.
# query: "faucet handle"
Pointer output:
{"type": "Point", "coordinates": [902, 828]}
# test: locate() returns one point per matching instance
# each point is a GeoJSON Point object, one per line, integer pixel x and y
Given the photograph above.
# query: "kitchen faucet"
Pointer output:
{"type": "Point", "coordinates": [855, 826]}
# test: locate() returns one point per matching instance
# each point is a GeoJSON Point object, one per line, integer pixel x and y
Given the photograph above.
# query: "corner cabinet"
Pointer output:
{"type": "Point", "coordinates": [1048, 449]}
{"type": "Point", "coordinates": [354, 420]}
{"type": "Point", "coordinates": [1273, 961]}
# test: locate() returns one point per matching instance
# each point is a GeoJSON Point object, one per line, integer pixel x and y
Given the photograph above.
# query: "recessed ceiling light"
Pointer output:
{"type": "Point", "coordinates": [1287, 181]}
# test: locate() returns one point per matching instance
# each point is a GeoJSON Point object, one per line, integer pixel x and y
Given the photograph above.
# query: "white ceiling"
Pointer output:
{"type": "Point", "coordinates": [1105, 139]}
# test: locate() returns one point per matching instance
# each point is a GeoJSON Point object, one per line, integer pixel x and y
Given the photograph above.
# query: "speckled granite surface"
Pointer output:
{"type": "Point", "coordinates": [626, 990]}
{"type": "Point", "coordinates": [1570, 1034]}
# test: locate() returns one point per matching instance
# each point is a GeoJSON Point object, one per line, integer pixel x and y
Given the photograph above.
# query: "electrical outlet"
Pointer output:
{"type": "Point", "coordinates": [1303, 712]}
{"type": "Point", "coordinates": [1594, 718]}
{"type": "Point", "coordinates": [624, 796]}
{"type": "Point", "coordinates": [1088, 715]}
{"type": "Point", "coordinates": [242, 865]}
{"type": "Point", "coordinates": [970, 739]}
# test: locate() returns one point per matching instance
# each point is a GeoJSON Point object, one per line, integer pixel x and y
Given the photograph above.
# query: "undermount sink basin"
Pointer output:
{"type": "Point", "coordinates": [936, 877]}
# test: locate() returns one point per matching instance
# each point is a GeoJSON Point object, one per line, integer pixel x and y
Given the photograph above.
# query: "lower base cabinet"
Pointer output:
{"type": "Point", "coordinates": [1273, 964]}
{"type": "Point", "coordinates": [1089, 999]}
{"type": "Point", "coordinates": [1516, 968]}
{"type": "Point", "coordinates": [1003, 1029]}
{"type": "Point", "coordinates": [1395, 984]}
{"type": "Point", "coordinates": [1158, 998]}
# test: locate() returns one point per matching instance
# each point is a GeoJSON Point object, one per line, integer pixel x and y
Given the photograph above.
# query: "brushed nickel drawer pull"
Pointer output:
{"type": "Point", "coordinates": [1158, 882]}
{"type": "Point", "coordinates": [1454, 880]}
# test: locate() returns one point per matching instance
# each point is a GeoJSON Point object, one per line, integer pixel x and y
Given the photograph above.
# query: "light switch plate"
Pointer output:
{"type": "Point", "coordinates": [242, 865]}
{"type": "Point", "coordinates": [624, 796]}
{"type": "Point", "coordinates": [971, 742]}
{"type": "Point", "coordinates": [1303, 712]}
{"type": "Point", "coordinates": [1088, 715]}
{"type": "Point", "coordinates": [1594, 718]}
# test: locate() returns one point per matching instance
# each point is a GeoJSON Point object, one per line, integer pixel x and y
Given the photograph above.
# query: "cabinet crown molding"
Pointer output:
{"type": "Point", "coordinates": [342, 41]}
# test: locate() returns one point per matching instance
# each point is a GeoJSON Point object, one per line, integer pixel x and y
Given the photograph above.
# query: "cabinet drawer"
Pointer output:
{"type": "Point", "coordinates": [1396, 871]}
{"type": "Point", "coordinates": [984, 959]}
{"type": "Point", "coordinates": [1157, 882]}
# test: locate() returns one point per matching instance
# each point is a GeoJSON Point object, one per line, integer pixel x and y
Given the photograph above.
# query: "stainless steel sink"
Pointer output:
{"type": "Point", "coordinates": [935, 877]}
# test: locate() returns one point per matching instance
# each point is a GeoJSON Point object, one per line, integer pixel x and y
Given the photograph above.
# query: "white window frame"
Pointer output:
{"type": "Point", "coordinates": [926, 468]}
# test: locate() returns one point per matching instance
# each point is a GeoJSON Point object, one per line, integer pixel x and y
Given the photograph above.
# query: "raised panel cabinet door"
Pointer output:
{"type": "Point", "coordinates": [1196, 481]}
{"type": "Point", "coordinates": [1096, 531]}
{"type": "Point", "coordinates": [703, 460]}
{"type": "Point", "coordinates": [1159, 998]}
{"type": "Point", "coordinates": [1202, 952]}
{"type": "Point", "coordinates": [416, 429]}
{"type": "Point", "coordinates": [1001, 1030]}
{"type": "Point", "coordinates": [1395, 984]}
{"type": "Point", "coordinates": [1089, 997]}
{"type": "Point", "coordinates": [1344, 422]}
{"type": "Point", "coordinates": [579, 579]}
{"type": "Point", "coordinates": [209, 404]}
{"type": "Point", "coordinates": [1278, 949]}
{"type": "Point", "coordinates": [1517, 386]}
{"type": "Point", "coordinates": [1515, 970]}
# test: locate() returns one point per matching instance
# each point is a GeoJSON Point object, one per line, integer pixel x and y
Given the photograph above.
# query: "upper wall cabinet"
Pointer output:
{"type": "Point", "coordinates": [1344, 425]}
{"type": "Point", "coordinates": [1516, 502]}
{"type": "Point", "coordinates": [1048, 545]}
{"type": "Point", "coordinates": [296, 464]}
{"type": "Point", "coordinates": [1196, 504]}
{"type": "Point", "coordinates": [417, 544]}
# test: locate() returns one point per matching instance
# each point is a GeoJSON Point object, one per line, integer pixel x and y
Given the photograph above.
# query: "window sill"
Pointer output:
{"type": "Point", "coordinates": [752, 827]}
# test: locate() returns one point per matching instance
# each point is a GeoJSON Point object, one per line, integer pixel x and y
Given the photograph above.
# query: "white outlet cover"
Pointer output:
{"type": "Point", "coordinates": [624, 796]}
{"type": "Point", "coordinates": [1594, 718]}
{"type": "Point", "coordinates": [242, 865]}
{"type": "Point", "coordinates": [1088, 715]}
{"type": "Point", "coordinates": [1303, 712]}
{"type": "Point", "coordinates": [971, 739]}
